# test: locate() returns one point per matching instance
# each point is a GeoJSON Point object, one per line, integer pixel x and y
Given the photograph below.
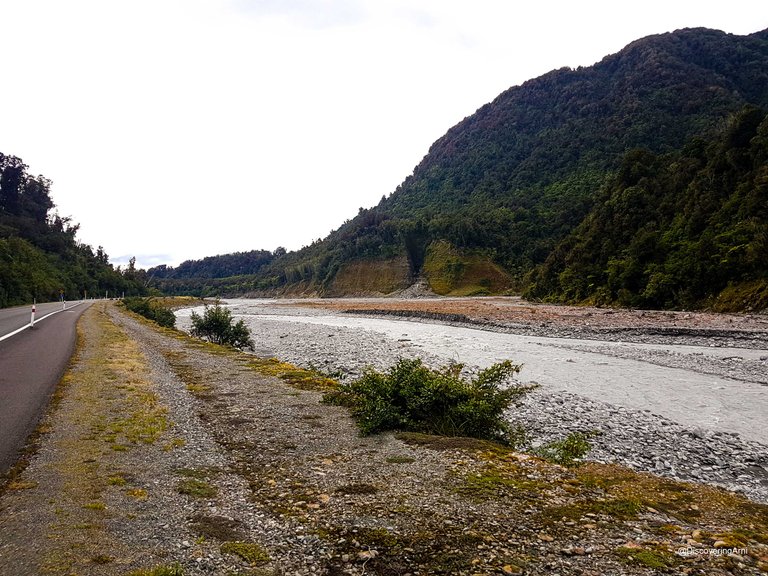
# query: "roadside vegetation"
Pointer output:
{"type": "Point", "coordinates": [151, 309]}
{"type": "Point", "coordinates": [406, 503]}
{"type": "Point", "coordinates": [217, 326]}
{"type": "Point", "coordinates": [413, 397]}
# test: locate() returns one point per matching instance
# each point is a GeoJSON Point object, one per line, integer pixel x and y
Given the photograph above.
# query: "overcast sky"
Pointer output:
{"type": "Point", "coordinates": [178, 129]}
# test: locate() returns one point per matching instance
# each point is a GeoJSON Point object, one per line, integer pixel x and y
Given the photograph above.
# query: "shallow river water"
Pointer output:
{"type": "Point", "coordinates": [688, 397]}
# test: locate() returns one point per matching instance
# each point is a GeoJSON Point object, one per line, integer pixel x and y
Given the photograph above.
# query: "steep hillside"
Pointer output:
{"type": "Point", "coordinates": [503, 188]}
{"type": "Point", "coordinates": [679, 230]}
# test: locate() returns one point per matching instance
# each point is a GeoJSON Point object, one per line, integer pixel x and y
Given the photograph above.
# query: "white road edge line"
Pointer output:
{"type": "Point", "coordinates": [36, 321]}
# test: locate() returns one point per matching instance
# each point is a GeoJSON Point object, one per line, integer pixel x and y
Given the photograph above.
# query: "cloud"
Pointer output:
{"type": "Point", "coordinates": [142, 260]}
{"type": "Point", "coordinates": [315, 14]}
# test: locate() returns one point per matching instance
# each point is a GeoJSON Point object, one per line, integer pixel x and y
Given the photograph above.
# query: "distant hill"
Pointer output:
{"type": "Point", "coordinates": [508, 188]}
{"type": "Point", "coordinates": [196, 276]}
{"type": "Point", "coordinates": [40, 256]}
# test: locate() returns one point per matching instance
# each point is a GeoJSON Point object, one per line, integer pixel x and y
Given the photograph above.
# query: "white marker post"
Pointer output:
{"type": "Point", "coordinates": [32, 321]}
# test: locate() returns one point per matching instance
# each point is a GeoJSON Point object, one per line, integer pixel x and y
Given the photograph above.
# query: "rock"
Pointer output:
{"type": "Point", "coordinates": [367, 554]}
{"type": "Point", "coordinates": [546, 538]}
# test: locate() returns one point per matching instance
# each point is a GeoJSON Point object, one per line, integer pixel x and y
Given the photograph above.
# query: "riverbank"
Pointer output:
{"type": "Point", "coordinates": [685, 411]}
{"type": "Point", "coordinates": [166, 455]}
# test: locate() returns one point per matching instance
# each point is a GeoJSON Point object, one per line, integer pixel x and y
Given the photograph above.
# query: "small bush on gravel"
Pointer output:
{"type": "Point", "coordinates": [151, 309]}
{"type": "Point", "coordinates": [567, 452]}
{"type": "Point", "coordinates": [411, 396]}
{"type": "Point", "coordinates": [216, 325]}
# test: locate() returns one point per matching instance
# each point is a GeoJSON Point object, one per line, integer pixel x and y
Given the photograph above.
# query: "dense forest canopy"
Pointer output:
{"type": "Point", "coordinates": [503, 199]}
{"type": "Point", "coordinates": [39, 253]}
{"type": "Point", "coordinates": [202, 276]}
{"type": "Point", "coordinates": [673, 230]}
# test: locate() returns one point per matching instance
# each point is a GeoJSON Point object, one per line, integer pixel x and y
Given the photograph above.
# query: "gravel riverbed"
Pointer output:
{"type": "Point", "coordinates": [690, 442]}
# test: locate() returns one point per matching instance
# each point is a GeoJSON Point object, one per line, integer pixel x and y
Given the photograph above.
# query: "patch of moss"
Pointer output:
{"type": "Point", "coordinates": [196, 488]}
{"type": "Point", "coordinates": [442, 443]}
{"type": "Point", "coordinates": [400, 460]}
{"type": "Point", "coordinates": [199, 473]}
{"type": "Point", "coordinates": [173, 444]}
{"type": "Point", "coordinates": [117, 480]}
{"type": "Point", "coordinates": [21, 485]}
{"type": "Point", "coordinates": [620, 509]}
{"type": "Point", "coordinates": [493, 483]}
{"type": "Point", "coordinates": [377, 538]}
{"type": "Point", "coordinates": [146, 423]}
{"type": "Point", "coordinates": [248, 551]}
{"type": "Point", "coordinates": [741, 537]}
{"type": "Point", "coordinates": [296, 377]}
{"type": "Point", "coordinates": [199, 389]}
{"type": "Point", "coordinates": [656, 559]}
{"type": "Point", "coordinates": [669, 529]}
{"type": "Point", "coordinates": [102, 559]}
{"type": "Point", "coordinates": [137, 493]}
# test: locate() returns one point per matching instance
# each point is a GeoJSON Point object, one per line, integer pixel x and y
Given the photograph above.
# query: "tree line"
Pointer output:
{"type": "Point", "coordinates": [40, 256]}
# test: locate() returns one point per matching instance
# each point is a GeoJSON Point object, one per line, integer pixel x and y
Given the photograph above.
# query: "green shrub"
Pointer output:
{"type": "Point", "coordinates": [216, 325]}
{"type": "Point", "coordinates": [566, 452]}
{"type": "Point", "coordinates": [413, 397]}
{"type": "Point", "coordinates": [151, 309]}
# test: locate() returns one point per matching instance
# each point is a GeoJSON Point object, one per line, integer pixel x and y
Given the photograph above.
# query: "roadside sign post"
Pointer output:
{"type": "Point", "coordinates": [32, 320]}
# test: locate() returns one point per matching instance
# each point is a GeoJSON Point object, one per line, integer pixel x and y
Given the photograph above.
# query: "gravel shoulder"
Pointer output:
{"type": "Point", "coordinates": [163, 451]}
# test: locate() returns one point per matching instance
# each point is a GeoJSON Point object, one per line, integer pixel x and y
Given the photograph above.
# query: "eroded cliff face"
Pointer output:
{"type": "Point", "coordinates": [370, 278]}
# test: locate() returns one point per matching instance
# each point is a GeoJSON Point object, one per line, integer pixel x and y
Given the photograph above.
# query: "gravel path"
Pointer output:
{"type": "Point", "coordinates": [697, 442]}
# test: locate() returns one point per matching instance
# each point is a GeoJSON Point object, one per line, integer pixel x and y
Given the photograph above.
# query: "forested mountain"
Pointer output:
{"type": "Point", "coordinates": [502, 199]}
{"type": "Point", "coordinates": [195, 276]}
{"type": "Point", "coordinates": [676, 230]}
{"type": "Point", "coordinates": [39, 253]}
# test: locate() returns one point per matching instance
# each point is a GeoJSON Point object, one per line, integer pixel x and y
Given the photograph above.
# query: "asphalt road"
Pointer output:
{"type": "Point", "coordinates": [32, 362]}
{"type": "Point", "coordinates": [12, 319]}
